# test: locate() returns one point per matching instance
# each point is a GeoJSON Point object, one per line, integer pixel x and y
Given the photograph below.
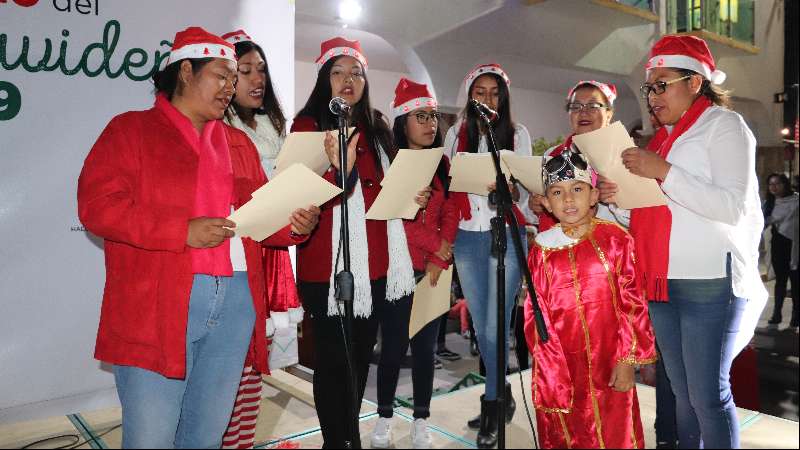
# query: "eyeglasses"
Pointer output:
{"type": "Point", "coordinates": [591, 107]}
{"type": "Point", "coordinates": [423, 118]}
{"type": "Point", "coordinates": [659, 87]}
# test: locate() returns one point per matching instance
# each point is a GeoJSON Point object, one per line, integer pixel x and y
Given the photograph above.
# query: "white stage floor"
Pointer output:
{"type": "Point", "coordinates": [288, 420]}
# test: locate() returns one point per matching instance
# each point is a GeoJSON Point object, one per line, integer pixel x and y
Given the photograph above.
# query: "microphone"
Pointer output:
{"type": "Point", "coordinates": [483, 110]}
{"type": "Point", "coordinates": [339, 106]}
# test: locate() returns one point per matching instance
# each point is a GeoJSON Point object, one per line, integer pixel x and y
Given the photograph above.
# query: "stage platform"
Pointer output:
{"type": "Point", "coordinates": [288, 420]}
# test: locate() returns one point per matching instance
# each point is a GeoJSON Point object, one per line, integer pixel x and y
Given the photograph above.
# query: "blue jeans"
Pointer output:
{"type": "Point", "coordinates": [160, 412]}
{"type": "Point", "coordinates": [696, 333]}
{"type": "Point", "coordinates": [477, 272]}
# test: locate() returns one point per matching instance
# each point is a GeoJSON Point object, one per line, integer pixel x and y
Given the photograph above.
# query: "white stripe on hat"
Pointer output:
{"type": "Point", "coordinates": [341, 51]}
{"type": "Point", "coordinates": [199, 51]}
{"type": "Point", "coordinates": [686, 62]}
{"type": "Point", "coordinates": [420, 102]}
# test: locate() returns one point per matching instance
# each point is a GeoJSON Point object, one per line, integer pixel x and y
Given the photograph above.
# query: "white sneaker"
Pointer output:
{"type": "Point", "coordinates": [420, 436]}
{"type": "Point", "coordinates": [382, 434]}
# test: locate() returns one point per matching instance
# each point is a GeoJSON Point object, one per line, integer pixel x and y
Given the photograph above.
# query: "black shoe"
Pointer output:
{"type": "Point", "coordinates": [448, 355]}
{"type": "Point", "coordinates": [487, 434]}
{"type": "Point", "coordinates": [437, 363]}
{"type": "Point", "coordinates": [511, 405]}
{"type": "Point", "coordinates": [473, 348]}
{"type": "Point", "coordinates": [775, 320]}
{"type": "Point", "coordinates": [475, 423]}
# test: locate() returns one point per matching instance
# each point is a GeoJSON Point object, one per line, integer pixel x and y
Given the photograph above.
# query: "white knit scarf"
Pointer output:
{"type": "Point", "coordinates": [400, 277]}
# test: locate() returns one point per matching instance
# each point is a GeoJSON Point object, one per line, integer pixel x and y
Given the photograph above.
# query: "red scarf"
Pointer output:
{"type": "Point", "coordinates": [462, 198]}
{"type": "Point", "coordinates": [651, 227]}
{"type": "Point", "coordinates": [214, 192]}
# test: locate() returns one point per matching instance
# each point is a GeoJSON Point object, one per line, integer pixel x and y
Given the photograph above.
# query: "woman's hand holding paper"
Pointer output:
{"type": "Point", "coordinates": [332, 150]}
{"type": "Point", "coordinates": [645, 163]}
{"type": "Point", "coordinates": [304, 221]}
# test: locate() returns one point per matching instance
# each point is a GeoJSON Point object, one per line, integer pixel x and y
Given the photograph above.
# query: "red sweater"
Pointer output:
{"type": "Point", "coordinates": [315, 256]}
{"type": "Point", "coordinates": [436, 222]}
{"type": "Point", "coordinates": [137, 191]}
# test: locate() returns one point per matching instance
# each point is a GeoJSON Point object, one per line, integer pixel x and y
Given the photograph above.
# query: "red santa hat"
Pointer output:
{"type": "Point", "coordinates": [609, 90]}
{"type": "Point", "coordinates": [340, 46]}
{"type": "Point", "coordinates": [197, 43]}
{"type": "Point", "coordinates": [685, 52]}
{"type": "Point", "coordinates": [409, 96]}
{"type": "Point", "coordinates": [234, 37]}
{"type": "Point", "coordinates": [482, 70]}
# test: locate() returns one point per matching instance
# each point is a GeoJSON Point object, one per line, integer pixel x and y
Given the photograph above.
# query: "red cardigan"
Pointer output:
{"type": "Point", "coordinates": [436, 222]}
{"type": "Point", "coordinates": [314, 257]}
{"type": "Point", "coordinates": [136, 191]}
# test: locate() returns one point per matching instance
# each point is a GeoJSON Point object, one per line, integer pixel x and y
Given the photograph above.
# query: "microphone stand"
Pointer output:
{"type": "Point", "coordinates": [501, 197]}
{"type": "Point", "coordinates": [345, 290]}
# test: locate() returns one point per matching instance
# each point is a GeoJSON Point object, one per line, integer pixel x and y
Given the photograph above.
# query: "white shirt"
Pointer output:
{"type": "Point", "coordinates": [785, 219]}
{"type": "Point", "coordinates": [482, 212]}
{"type": "Point", "coordinates": [712, 192]}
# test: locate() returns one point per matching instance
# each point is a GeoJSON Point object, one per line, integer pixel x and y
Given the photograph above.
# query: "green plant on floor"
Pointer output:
{"type": "Point", "coordinates": [540, 145]}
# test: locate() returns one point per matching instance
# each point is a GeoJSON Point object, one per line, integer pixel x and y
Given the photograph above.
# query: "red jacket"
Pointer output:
{"type": "Point", "coordinates": [436, 222]}
{"type": "Point", "coordinates": [314, 257]}
{"type": "Point", "coordinates": [136, 191]}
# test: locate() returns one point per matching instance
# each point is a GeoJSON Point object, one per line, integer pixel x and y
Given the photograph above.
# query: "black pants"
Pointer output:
{"type": "Point", "coordinates": [330, 374]}
{"type": "Point", "coordinates": [394, 318]}
{"type": "Point", "coordinates": [781, 263]}
{"type": "Point", "coordinates": [441, 340]}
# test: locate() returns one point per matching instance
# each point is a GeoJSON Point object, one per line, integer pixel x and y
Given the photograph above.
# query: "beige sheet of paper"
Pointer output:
{"type": "Point", "coordinates": [474, 172]}
{"type": "Point", "coordinates": [272, 204]}
{"type": "Point", "coordinates": [603, 149]}
{"type": "Point", "coordinates": [526, 169]}
{"type": "Point", "coordinates": [409, 173]}
{"type": "Point", "coordinates": [306, 148]}
{"type": "Point", "coordinates": [430, 302]}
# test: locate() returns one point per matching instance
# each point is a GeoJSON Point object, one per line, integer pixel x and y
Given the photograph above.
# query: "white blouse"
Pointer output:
{"type": "Point", "coordinates": [482, 211]}
{"type": "Point", "coordinates": [712, 192]}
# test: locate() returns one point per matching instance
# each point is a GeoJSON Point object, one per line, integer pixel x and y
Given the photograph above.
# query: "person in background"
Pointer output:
{"type": "Point", "coordinates": [430, 241]}
{"type": "Point", "coordinates": [181, 303]}
{"type": "Point", "coordinates": [487, 84]}
{"type": "Point", "coordinates": [256, 111]}
{"type": "Point", "coordinates": [380, 260]}
{"type": "Point", "coordinates": [590, 106]}
{"type": "Point", "coordinates": [781, 213]}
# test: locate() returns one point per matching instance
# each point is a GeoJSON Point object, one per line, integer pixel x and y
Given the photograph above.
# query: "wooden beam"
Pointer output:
{"type": "Point", "coordinates": [628, 9]}
{"type": "Point", "coordinates": [724, 40]}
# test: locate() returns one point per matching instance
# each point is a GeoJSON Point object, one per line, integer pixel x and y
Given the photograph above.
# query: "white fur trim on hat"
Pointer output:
{"type": "Point", "coordinates": [421, 102]}
{"type": "Point", "coordinates": [483, 70]}
{"type": "Point", "coordinates": [199, 51]}
{"type": "Point", "coordinates": [341, 51]}
{"type": "Point", "coordinates": [686, 62]}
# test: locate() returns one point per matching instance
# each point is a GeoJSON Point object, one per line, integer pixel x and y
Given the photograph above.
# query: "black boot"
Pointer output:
{"type": "Point", "coordinates": [487, 435]}
{"type": "Point", "coordinates": [511, 405]}
{"type": "Point", "coordinates": [475, 423]}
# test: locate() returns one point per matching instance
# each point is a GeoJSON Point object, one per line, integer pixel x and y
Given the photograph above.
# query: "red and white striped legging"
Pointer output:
{"type": "Point", "coordinates": [242, 428]}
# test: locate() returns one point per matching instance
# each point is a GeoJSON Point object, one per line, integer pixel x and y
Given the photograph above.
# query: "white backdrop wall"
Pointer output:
{"type": "Point", "coordinates": [52, 271]}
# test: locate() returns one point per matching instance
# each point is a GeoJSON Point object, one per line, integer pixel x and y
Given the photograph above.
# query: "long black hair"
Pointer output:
{"type": "Point", "coordinates": [769, 204]}
{"type": "Point", "coordinates": [271, 106]}
{"type": "Point", "coordinates": [503, 127]}
{"type": "Point", "coordinates": [373, 121]}
{"type": "Point", "coordinates": [401, 141]}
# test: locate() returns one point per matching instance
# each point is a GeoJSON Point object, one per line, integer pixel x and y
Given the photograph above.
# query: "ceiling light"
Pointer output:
{"type": "Point", "coordinates": [785, 132]}
{"type": "Point", "coordinates": [349, 10]}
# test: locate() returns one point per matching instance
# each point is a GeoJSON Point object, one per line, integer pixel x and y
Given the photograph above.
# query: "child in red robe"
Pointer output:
{"type": "Point", "coordinates": [583, 272]}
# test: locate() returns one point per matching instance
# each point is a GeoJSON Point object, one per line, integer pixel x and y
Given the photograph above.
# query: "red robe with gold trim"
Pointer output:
{"type": "Point", "coordinates": [596, 318]}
